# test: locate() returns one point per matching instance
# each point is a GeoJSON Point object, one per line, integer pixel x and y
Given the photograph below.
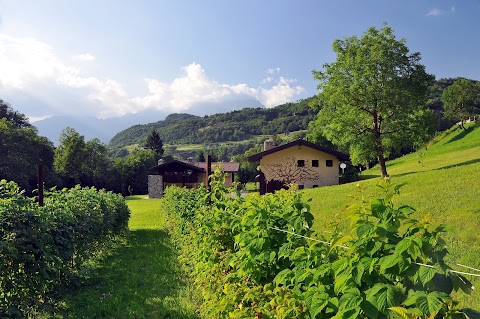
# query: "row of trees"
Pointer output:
{"type": "Point", "coordinates": [74, 161]}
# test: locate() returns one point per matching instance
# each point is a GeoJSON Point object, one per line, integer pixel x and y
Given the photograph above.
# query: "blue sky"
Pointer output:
{"type": "Point", "coordinates": [108, 58]}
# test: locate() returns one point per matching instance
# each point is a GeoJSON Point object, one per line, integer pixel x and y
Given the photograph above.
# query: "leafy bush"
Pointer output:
{"type": "Point", "coordinates": [258, 257]}
{"type": "Point", "coordinates": [41, 248]}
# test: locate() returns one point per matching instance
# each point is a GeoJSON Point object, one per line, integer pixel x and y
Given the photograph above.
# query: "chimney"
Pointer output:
{"type": "Point", "coordinates": [268, 145]}
{"type": "Point", "coordinates": [190, 159]}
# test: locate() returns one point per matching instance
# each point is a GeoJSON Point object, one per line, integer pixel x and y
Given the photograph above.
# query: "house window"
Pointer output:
{"type": "Point", "coordinates": [314, 163]}
{"type": "Point", "coordinates": [301, 186]}
{"type": "Point", "coordinates": [329, 163]}
{"type": "Point", "coordinates": [301, 163]}
{"type": "Point", "coordinates": [315, 186]}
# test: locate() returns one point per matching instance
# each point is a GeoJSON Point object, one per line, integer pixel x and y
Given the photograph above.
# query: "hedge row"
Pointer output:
{"type": "Point", "coordinates": [42, 248]}
{"type": "Point", "coordinates": [257, 257]}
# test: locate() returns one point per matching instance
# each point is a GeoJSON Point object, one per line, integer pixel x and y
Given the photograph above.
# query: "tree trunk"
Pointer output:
{"type": "Point", "coordinates": [379, 146]}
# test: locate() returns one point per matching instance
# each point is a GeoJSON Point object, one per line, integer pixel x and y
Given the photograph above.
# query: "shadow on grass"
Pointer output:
{"type": "Point", "coordinates": [136, 197]}
{"type": "Point", "coordinates": [141, 279]}
{"type": "Point", "coordinates": [463, 133]}
{"type": "Point", "coordinates": [366, 176]}
{"type": "Point", "coordinates": [460, 164]}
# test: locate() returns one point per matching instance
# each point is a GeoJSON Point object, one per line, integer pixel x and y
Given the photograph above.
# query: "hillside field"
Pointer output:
{"type": "Point", "coordinates": [441, 180]}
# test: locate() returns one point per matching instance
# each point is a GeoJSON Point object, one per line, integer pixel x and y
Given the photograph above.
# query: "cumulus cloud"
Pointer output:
{"type": "Point", "coordinates": [28, 64]}
{"type": "Point", "coordinates": [194, 86]}
{"type": "Point", "coordinates": [25, 62]}
{"type": "Point", "coordinates": [282, 92]}
{"type": "Point", "coordinates": [84, 57]}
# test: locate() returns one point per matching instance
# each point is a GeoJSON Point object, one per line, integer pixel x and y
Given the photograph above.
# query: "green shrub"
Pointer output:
{"type": "Point", "coordinates": [41, 248]}
{"type": "Point", "coordinates": [258, 257]}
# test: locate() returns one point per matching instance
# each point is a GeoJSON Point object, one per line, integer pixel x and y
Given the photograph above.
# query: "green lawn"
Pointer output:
{"type": "Point", "coordinates": [442, 181]}
{"type": "Point", "coordinates": [141, 279]}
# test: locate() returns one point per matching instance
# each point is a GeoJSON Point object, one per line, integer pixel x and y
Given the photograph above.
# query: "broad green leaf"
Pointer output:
{"type": "Point", "coordinates": [339, 242]}
{"type": "Point", "coordinates": [349, 314]}
{"type": "Point", "coordinates": [357, 273]}
{"type": "Point", "coordinates": [283, 276]}
{"type": "Point", "coordinates": [387, 297]}
{"type": "Point", "coordinates": [272, 256]}
{"type": "Point", "coordinates": [412, 297]}
{"type": "Point", "coordinates": [319, 301]}
{"type": "Point", "coordinates": [389, 261]}
{"type": "Point", "coordinates": [430, 304]}
{"type": "Point", "coordinates": [403, 245]}
{"type": "Point", "coordinates": [400, 311]}
{"type": "Point", "coordinates": [369, 309]}
{"type": "Point", "coordinates": [349, 302]}
{"type": "Point", "coordinates": [426, 274]}
{"type": "Point", "coordinates": [363, 229]}
{"type": "Point", "coordinates": [341, 282]}
{"type": "Point", "coordinates": [406, 210]}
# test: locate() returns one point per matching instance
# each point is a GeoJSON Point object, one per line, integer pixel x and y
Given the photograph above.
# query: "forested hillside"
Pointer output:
{"type": "Point", "coordinates": [232, 126]}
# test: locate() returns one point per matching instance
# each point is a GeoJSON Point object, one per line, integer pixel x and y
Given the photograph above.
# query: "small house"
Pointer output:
{"type": "Point", "coordinates": [299, 162]}
{"type": "Point", "coordinates": [187, 173]}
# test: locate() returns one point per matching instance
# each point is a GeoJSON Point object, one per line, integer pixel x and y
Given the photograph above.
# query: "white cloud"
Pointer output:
{"type": "Point", "coordinates": [28, 65]}
{"type": "Point", "coordinates": [25, 59]}
{"type": "Point", "coordinates": [33, 119]}
{"type": "Point", "coordinates": [194, 86]}
{"type": "Point", "coordinates": [84, 57]}
{"type": "Point", "coordinates": [280, 93]}
{"type": "Point", "coordinates": [435, 12]}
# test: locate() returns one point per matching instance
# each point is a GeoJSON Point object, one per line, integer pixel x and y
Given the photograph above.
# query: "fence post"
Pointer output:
{"type": "Point", "coordinates": [40, 184]}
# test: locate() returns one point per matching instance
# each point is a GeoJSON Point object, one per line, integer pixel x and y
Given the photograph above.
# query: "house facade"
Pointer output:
{"type": "Point", "coordinates": [299, 162]}
{"type": "Point", "coordinates": [187, 173]}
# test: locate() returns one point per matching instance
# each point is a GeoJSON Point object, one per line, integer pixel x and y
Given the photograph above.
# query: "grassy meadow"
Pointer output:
{"type": "Point", "coordinates": [140, 279]}
{"type": "Point", "coordinates": [441, 180]}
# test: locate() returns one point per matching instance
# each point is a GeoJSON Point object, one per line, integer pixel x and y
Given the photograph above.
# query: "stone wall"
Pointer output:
{"type": "Point", "coordinates": [155, 186]}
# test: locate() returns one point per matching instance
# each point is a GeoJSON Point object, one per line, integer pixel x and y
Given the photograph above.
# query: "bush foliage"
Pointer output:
{"type": "Point", "coordinates": [43, 248]}
{"type": "Point", "coordinates": [257, 257]}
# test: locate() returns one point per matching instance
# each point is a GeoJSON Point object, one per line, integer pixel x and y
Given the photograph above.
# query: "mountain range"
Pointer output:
{"type": "Point", "coordinates": [104, 129]}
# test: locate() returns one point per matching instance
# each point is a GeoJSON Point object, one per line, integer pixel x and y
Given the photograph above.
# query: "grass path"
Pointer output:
{"type": "Point", "coordinates": [140, 279]}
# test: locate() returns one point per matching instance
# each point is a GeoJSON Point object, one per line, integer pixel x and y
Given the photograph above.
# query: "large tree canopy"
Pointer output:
{"type": "Point", "coordinates": [373, 96]}
{"type": "Point", "coordinates": [22, 149]}
{"type": "Point", "coordinates": [461, 100]}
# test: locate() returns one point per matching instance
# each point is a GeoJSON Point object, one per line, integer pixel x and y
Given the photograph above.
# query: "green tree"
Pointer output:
{"type": "Point", "coordinates": [154, 142]}
{"type": "Point", "coordinates": [134, 169]}
{"type": "Point", "coordinates": [461, 99]}
{"type": "Point", "coordinates": [22, 149]}
{"type": "Point", "coordinates": [200, 156]}
{"type": "Point", "coordinates": [371, 95]}
{"type": "Point", "coordinates": [98, 168]}
{"type": "Point", "coordinates": [70, 157]}
{"type": "Point", "coordinates": [12, 116]}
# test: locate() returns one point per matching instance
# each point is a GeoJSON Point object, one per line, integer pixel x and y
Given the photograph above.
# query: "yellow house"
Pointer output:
{"type": "Point", "coordinates": [299, 162]}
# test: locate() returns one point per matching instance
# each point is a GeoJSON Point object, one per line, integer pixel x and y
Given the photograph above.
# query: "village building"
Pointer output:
{"type": "Point", "coordinates": [299, 162]}
{"type": "Point", "coordinates": [187, 173]}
